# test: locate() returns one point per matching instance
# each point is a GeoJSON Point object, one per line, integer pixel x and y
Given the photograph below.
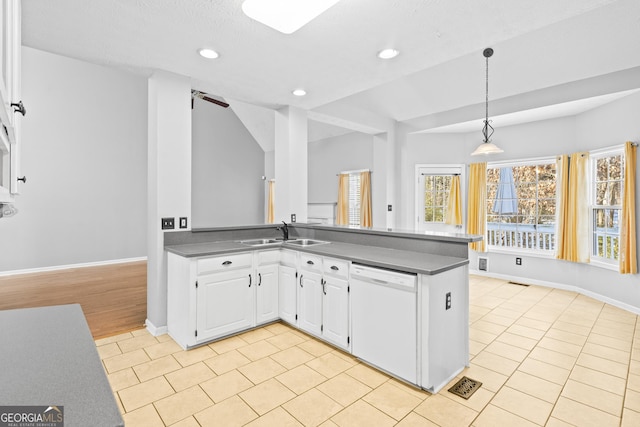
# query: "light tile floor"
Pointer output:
{"type": "Point", "coordinates": [544, 356]}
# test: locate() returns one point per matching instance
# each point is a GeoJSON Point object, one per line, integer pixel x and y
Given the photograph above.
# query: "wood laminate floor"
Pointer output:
{"type": "Point", "coordinates": [113, 297]}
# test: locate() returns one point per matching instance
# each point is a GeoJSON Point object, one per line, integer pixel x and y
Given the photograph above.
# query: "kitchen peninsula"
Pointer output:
{"type": "Point", "coordinates": [397, 300]}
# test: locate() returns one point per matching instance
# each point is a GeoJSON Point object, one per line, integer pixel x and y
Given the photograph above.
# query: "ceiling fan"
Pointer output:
{"type": "Point", "coordinates": [206, 97]}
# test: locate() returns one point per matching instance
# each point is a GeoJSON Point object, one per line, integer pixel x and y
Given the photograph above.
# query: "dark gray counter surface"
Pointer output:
{"type": "Point", "coordinates": [409, 261]}
{"type": "Point", "coordinates": [48, 357]}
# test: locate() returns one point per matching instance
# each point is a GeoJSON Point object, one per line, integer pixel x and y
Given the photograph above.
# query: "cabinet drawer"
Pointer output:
{"type": "Point", "coordinates": [268, 257]}
{"type": "Point", "coordinates": [311, 262]}
{"type": "Point", "coordinates": [226, 262]}
{"type": "Point", "coordinates": [336, 267]}
{"type": "Point", "coordinates": [288, 257]}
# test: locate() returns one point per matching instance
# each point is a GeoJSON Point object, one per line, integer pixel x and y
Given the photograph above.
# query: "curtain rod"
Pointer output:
{"type": "Point", "coordinates": [440, 174]}
{"type": "Point", "coordinates": [354, 171]}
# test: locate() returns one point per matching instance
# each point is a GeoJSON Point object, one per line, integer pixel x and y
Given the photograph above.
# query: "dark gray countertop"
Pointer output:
{"type": "Point", "coordinates": [418, 235]}
{"type": "Point", "coordinates": [48, 357]}
{"type": "Point", "coordinates": [409, 261]}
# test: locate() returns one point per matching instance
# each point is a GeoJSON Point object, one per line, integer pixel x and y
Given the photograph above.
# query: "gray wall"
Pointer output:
{"type": "Point", "coordinates": [227, 164]}
{"type": "Point", "coordinates": [84, 152]}
{"type": "Point", "coordinates": [328, 157]}
{"type": "Point", "coordinates": [608, 125]}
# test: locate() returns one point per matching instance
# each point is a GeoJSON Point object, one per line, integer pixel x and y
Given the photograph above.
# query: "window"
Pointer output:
{"type": "Point", "coordinates": [436, 195]}
{"type": "Point", "coordinates": [354, 198]}
{"type": "Point", "coordinates": [433, 185]}
{"type": "Point", "coordinates": [521, 205]}
{"type": "Point", "coordinates": [607, 178]}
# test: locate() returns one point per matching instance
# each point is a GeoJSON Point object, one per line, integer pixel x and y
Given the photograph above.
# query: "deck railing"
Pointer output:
{"type": "Point", "coordinates": [522, 236]}
{"type": "Point", "coordinates": [543, 237]}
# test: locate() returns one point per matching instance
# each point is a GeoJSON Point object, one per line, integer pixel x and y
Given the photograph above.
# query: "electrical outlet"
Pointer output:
{"type": "Point", "coordinates": [168, 223]}
{"type": "Point", "coordinates": [447, 304]}
{"type": "Point", "coordinates": [389, 208]}
{"type": "Point", "coordinates": [518, 261]}
{"type": "Point", "coordinates": [293, 217]}
{"type": "Point", "coordinates": [183, 222]}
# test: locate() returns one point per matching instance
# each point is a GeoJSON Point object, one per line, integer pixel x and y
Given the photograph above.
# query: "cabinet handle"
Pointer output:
{"type": "Point", "coordinates": [227, 263]}
{"type": "Point", "coordinates": [301, 280]}
{"type": "Point", "coordinates": [334, 268]}
{"type": "Point", "coordinates": [259, 279]}
{"type": "Point", "coordinates": [323, 282]}
{"type": "Point", "coordinates": [249, 280]}
{"type": "Point", "coordinates": [310, 262]}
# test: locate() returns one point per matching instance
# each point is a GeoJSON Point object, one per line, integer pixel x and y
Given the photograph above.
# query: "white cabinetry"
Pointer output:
{"type": "Point", "coordinates": [10, 69]}
{"type": "Point", "coordinates": [335, 302]}
{"type": "Point", "coordinates": [267, 286]}
{"type": "Point", "coordinates": [209, 297]}
{"type": "Point", "coordinates": [323, 298]}
{"type": "Point", "coordinates": [224, 303]}
{"type": "Point", "coordinates": [287, 283]}
{"type": "Point", "coordinates": [310, 294]}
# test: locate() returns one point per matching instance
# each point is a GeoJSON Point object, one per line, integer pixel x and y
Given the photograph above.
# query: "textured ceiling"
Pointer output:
{"type": "Point", "coordinates": [538, 43]}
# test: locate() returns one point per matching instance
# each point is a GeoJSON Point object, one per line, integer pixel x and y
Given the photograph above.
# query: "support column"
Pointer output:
{"type": "Point", "coordinates": [291, 164]}
{"type": "Point", "coordinates": [169, 180]}
{"type": "Point", "coordinates": [380, 182]}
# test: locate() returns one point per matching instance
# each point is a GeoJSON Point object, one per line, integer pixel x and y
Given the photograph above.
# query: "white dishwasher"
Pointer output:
{"type": "Point", "coordinates": [383, 320]}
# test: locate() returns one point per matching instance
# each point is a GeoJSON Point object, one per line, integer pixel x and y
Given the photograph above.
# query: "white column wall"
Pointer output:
{"type": "Point", "coordinates": [169, 180]}
{"type": "Point", "coordinates": [291, 164]}
{"type": "Point", "coordinates": [380, 182]}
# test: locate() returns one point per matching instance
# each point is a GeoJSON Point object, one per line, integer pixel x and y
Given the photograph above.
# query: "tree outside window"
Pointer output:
{"type": "Point", "coordinates": [436, 195]}
{"type": "Point", "coordinates": [606, 205]}
{"type": "Point", "coordinates": [521, 206]}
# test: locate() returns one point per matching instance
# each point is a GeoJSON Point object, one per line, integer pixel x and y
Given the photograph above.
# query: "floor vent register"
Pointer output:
{"type": "Point", "coordinates": [465, 387]}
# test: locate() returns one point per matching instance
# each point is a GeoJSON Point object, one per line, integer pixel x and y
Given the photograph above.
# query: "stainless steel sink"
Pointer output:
{"type": "Point", "coordinates": [260, 242]}
{"type": "Point", "coordinates": [306, 242]}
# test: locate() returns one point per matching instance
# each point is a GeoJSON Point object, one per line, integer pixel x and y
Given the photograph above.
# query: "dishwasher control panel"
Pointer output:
{"type": "Point", "coordinates": [381, 276]}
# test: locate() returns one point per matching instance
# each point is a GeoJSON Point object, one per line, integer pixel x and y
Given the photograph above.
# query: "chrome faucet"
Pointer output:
{"type": "Point", "coordinates": [285, 230]}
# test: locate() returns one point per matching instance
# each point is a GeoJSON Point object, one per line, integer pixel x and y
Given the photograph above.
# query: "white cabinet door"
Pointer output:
{"type": "Point", "coordinates": [310, 302]}
{"type": "Point", "coordinates": [287, 294]}
{"type": "Point", "coordinates": [335, 311]}
{"type": "Point", "coordinates": [225, 303]}
{"type": "Point", "coordinates": [267, 293]}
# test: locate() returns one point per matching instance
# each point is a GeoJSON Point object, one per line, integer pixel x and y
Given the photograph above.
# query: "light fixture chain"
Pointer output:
{"type": "Point", "coordinates": [487, 91]}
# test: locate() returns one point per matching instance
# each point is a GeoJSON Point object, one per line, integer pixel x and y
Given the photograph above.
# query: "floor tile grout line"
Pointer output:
{"type": "Point", "coordinates": [567, 306]}
{"type": "Point", "coordinates": [528, 354]}
{"type": "Point", "coordinates": [626, 385]}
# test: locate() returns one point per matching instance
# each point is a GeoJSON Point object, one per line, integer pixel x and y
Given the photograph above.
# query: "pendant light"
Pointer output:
{"type": "Point", "coordinates": [487, 147]}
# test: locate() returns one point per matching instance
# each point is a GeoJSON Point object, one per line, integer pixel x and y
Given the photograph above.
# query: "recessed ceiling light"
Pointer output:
{"type": "Point", "coordinates": [286, 16]}
{"type": "Point", "coordinates": [299, 92]}
{"type": "Point", "coordinates": [388, 53]}
{"type": "Point", "coordinates": [208, 53]}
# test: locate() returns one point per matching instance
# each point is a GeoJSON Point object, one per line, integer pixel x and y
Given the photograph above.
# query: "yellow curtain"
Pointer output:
{"type": "Point", "coordinates": [454, 204]}
{"type": "Point", "coordinates": [477, 205]}
{"type": "Point", "coordinates": [365, 199]}
{"type": "Point", "coordinates": [628, 257]}
{"type": "Point", "coordinates": [577, 241]}
{"type": "Point", "coordinates": [562, 205]}
{"type": "Point", "coordinates": [342, 214]}
{"type": "Point", "coordinates": [272, 195]}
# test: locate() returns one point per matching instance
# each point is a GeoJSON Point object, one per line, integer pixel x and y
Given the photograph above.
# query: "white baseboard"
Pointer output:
{"type": "Point", "coordinates": [155, 330]}
{"type": "Point", "coordinates": [71, 266]}
{"type": "Point", "coordinates": [563, 286]}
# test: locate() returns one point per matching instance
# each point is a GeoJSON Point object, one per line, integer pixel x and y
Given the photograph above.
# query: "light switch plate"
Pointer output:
{"type": "Point", "coordinates": [183, 222]}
